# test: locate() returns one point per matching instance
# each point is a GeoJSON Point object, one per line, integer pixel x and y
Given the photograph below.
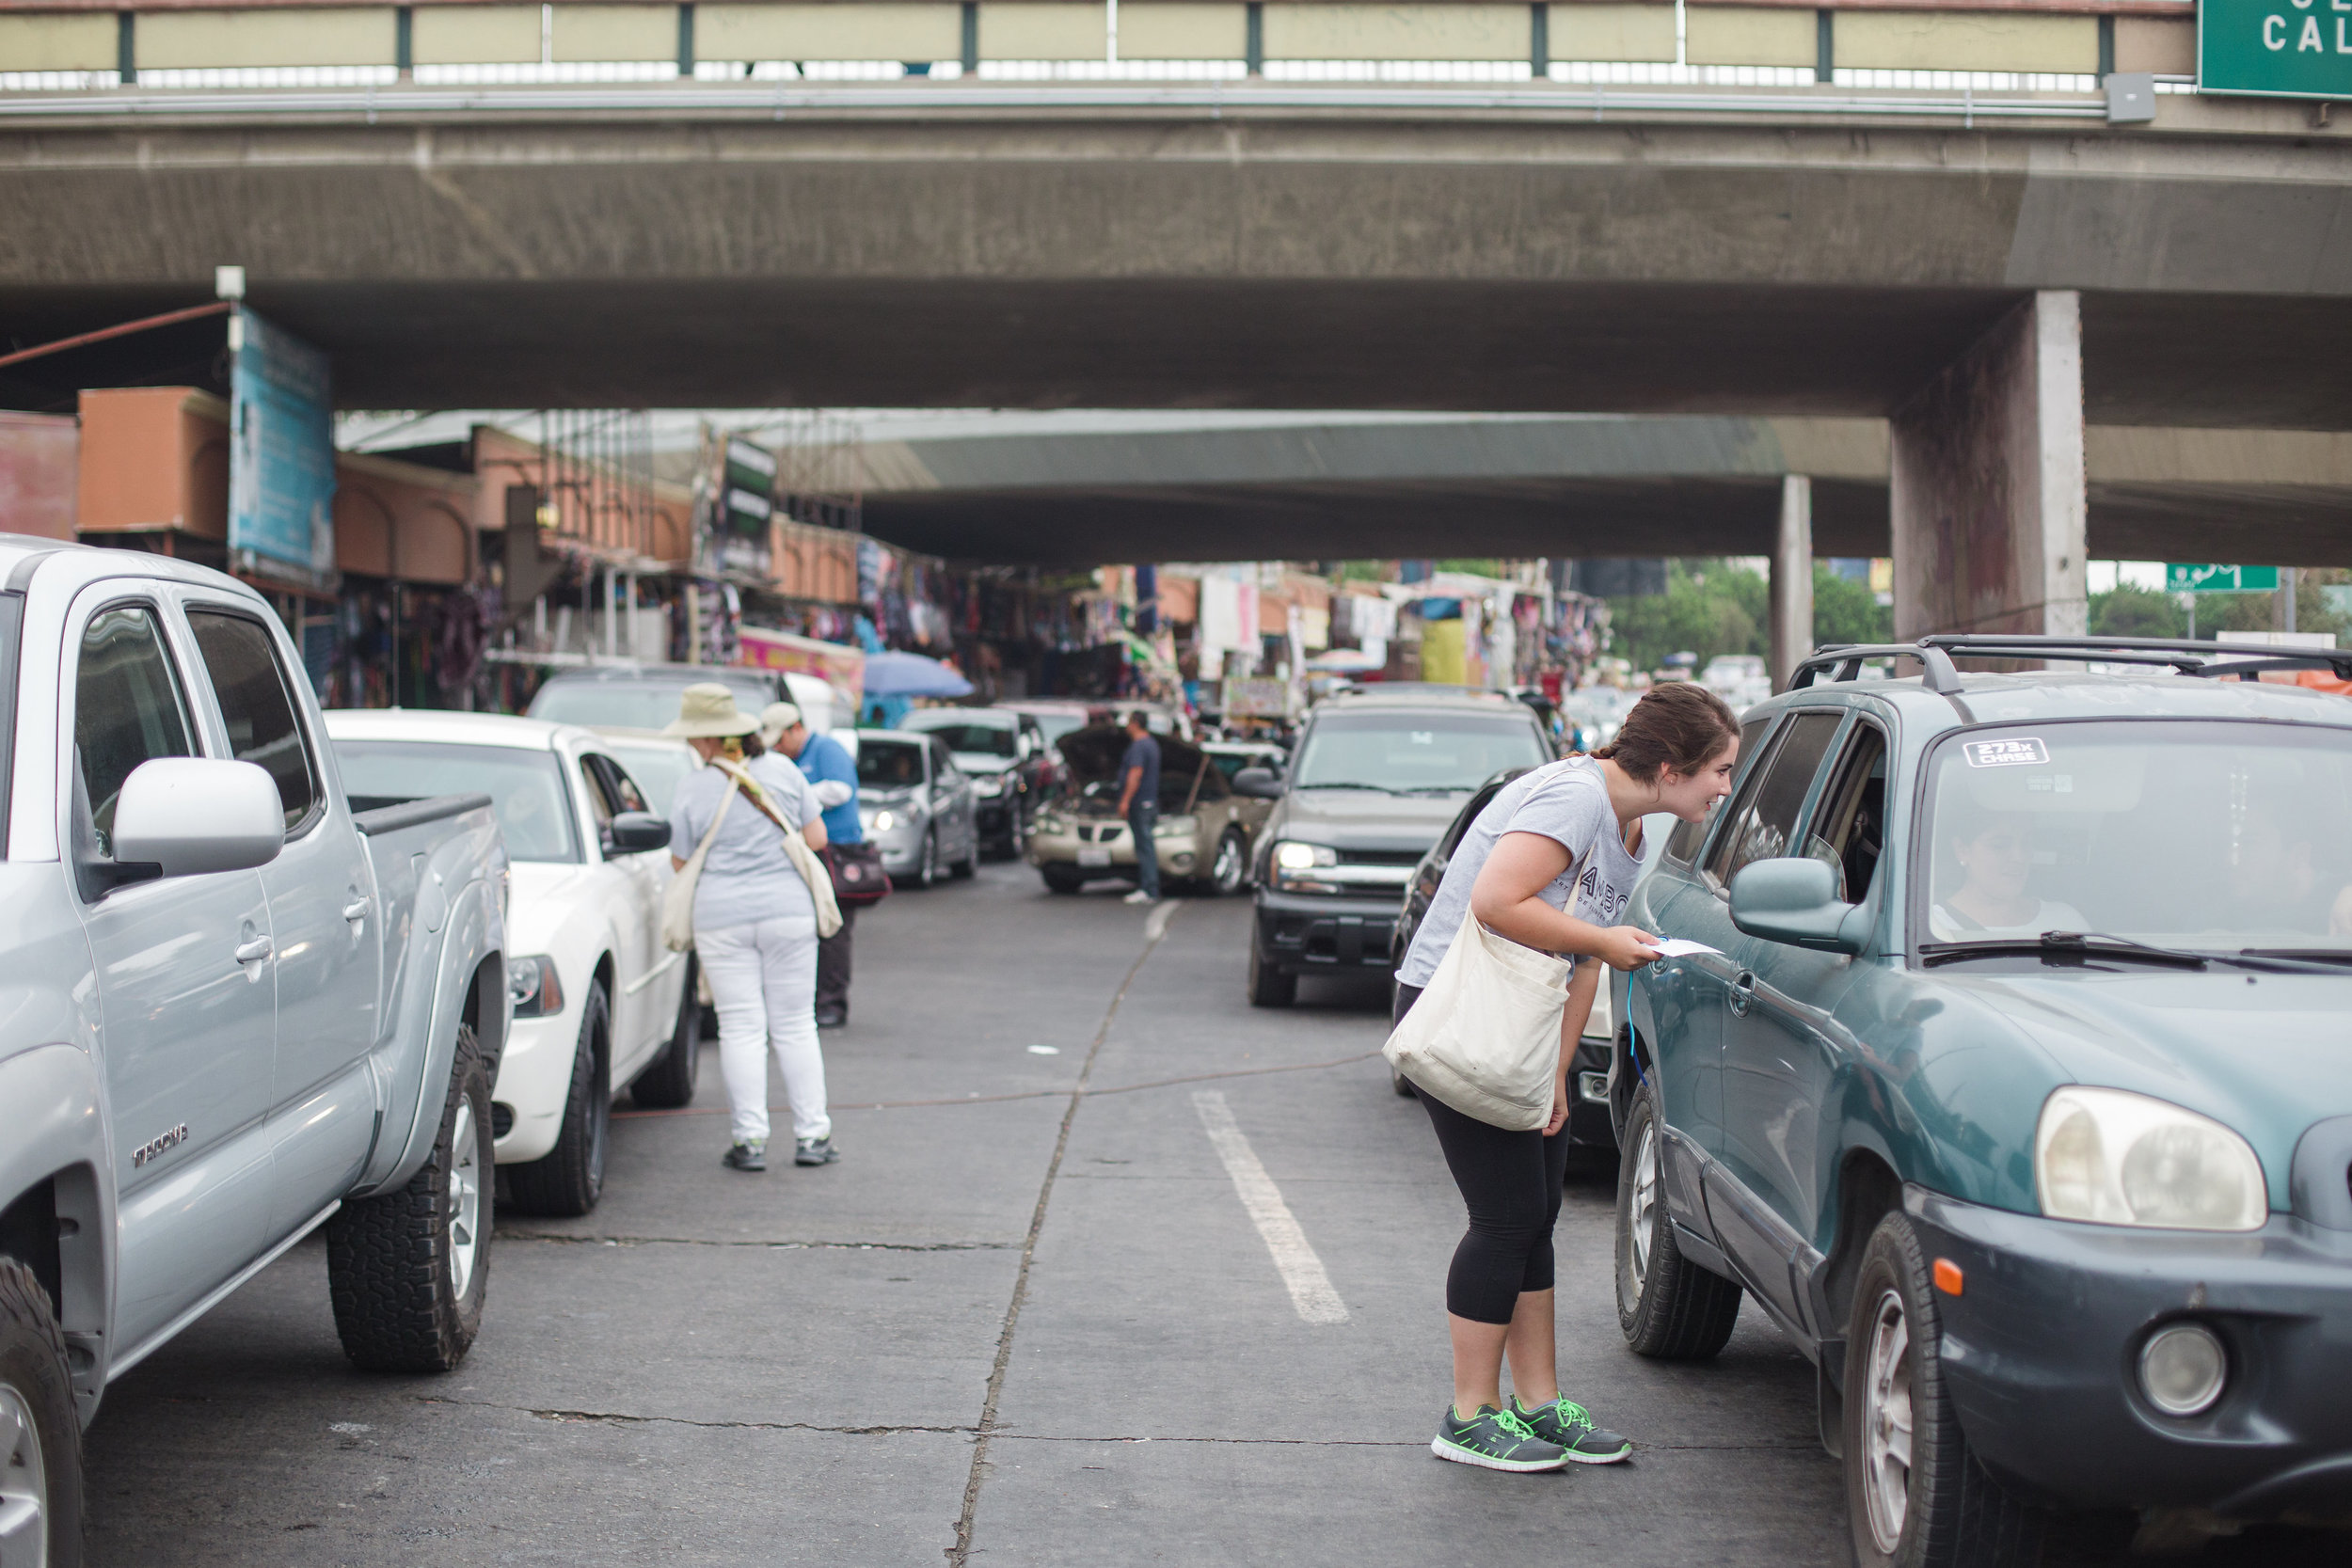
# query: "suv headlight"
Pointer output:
{"type": "Point", "coordinates": [531, 985]}
{"type": "Point", "coordinates": [2115, 1158]}
{"type": "Point", "coordinates": [1290, 855]}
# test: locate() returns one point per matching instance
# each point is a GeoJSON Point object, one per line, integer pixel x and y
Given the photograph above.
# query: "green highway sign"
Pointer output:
{"type": "Point", "coordinates": [2197, 577]}
{"type": "Point", "coordinates": [2277, 48]}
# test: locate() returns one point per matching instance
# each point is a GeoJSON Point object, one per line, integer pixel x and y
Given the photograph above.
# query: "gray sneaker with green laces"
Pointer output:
{"type": "Point", "coordinates": [1569, 1425]}
{"type": "Point", "coordinates": [1495, 1440]}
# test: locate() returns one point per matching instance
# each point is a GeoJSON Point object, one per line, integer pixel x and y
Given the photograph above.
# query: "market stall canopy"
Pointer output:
{"type": "Point", "coordinates": [897, 674]}
{"type": "Point", "coordinates": [1349, 661]}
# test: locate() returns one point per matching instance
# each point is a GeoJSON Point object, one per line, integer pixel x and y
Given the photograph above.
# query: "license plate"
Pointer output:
{"type": "Point", "coordinates": [1094, 857]}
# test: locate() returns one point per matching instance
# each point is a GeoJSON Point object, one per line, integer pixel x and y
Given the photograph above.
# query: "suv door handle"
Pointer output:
{"type": "Point", "coordinates": [1741, 996]}
{"type": "Point", "coordinates": [254, 951]}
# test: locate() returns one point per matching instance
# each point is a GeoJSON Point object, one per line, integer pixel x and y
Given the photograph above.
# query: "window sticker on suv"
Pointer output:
{"type": "Point", "coordinates": [2021, 752]}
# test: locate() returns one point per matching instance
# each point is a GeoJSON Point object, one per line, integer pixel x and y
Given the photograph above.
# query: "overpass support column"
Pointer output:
{"type": "Point", "coordinates": [1987, 489]}
{"type": "Point", "coordinates": [1792, 579]}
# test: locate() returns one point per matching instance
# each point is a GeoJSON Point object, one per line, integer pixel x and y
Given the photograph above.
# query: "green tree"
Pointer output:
{"type": "Point", "coordinates": [2129, 612]}
{"type": "Point", "coordinates": [1708, 607]}
{"type": "Point", "coordinates": [1845, 611]}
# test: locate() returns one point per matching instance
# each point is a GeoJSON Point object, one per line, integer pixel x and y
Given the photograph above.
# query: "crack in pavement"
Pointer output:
{"type": "Point", "coordinates": [505, 1235]}
{"type": "Point", "coordinates": [616, 1417]}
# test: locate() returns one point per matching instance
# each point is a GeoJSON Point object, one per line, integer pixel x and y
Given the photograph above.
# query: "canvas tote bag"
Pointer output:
{"type": "Point", "coordinates": [678, 899]}
{"type": "Point", "coordinates": [1484, 1037]}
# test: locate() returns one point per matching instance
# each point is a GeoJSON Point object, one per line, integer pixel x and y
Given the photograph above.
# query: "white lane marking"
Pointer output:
{"type": "Point", "coordinates": [1155, 925]}
{"type": "Point", "coordinates": [1301, 1269]}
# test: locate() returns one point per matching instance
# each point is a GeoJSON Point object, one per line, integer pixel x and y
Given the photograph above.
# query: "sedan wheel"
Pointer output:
{"type": "Point", "coordinates": [927, 872]}
{"type": "Point", "coordinates": [1231, 867]}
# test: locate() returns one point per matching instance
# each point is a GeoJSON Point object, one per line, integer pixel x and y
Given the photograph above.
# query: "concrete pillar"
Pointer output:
{"type": "Point", "coordinates": [1792, 579]}
{"type": "Point", "coordinates": [1987, 490]}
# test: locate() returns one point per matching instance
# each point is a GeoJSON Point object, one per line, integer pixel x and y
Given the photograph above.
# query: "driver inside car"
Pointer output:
{"type": "Point", "coordinates": [1993, 852]}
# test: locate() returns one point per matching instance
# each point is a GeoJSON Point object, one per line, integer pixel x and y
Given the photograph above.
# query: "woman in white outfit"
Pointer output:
{"type": "Point", "coordinates": [754, 926]}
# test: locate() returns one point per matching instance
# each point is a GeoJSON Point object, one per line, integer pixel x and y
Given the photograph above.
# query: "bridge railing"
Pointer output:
{"type": "Point", "coordinates": [2044, 45]}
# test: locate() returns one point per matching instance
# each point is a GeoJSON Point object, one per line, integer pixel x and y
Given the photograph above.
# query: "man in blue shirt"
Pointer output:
{"type": "Point", "coordinates": [1140, 803]}
{"type": "Point", "coordinates": [833, 779]}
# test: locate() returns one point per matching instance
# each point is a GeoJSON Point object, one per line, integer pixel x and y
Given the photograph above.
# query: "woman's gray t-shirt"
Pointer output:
{"type": "Point", "coordinates": [747, 877]}
{"type": "Point", "coordinates": [1565, 800]}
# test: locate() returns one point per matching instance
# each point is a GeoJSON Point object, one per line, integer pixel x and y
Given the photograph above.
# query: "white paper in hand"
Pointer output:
{"type": "Point", "coordinates": [1680, 947]}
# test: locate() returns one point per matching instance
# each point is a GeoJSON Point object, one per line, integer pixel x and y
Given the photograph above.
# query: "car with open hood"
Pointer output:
{"type": "Point", "coordinates": [1374, 780]}
{"type": "Point", "coordinates": [2007, 1075]}
{"type": "Point", "coordinates": [1206, 829]}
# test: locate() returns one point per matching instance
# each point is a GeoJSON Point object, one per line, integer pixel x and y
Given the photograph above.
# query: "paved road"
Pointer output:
{"type": "Point", "coordinates": [1013, 1323]}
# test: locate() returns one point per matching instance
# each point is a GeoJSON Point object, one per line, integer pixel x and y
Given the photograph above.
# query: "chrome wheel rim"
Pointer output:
{"type": "Point", "coordinates": [1642, 1212]}
{"type": "Point", "coordinates": [1227, 874]}
{"type": "Point", "coordinates": [23, 1485]}
{"type": "Point", "coordinates": [465, 1201]}
{"type": "Point", "coordinates": [1886, 1423]}
{"type": "Point", "coordinates": [931, 858]}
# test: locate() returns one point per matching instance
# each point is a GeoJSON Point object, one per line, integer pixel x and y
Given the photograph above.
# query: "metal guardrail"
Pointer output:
{"type": "Point", "coordinates": [1596, 102]}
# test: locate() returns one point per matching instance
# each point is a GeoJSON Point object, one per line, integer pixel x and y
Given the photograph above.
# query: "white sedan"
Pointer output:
{"type": "Point", "coordinates": [600, 1004]}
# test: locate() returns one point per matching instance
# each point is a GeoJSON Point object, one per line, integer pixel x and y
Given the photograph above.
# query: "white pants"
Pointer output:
{"type": "Point", "coordinates": [763, 983]}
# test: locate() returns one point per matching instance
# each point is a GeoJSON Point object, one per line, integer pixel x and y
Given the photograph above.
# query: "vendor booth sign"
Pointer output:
{"type": "Point", "coordinates": [2274, 48]}
{"type": "Point", "coordinates": [281, 455]}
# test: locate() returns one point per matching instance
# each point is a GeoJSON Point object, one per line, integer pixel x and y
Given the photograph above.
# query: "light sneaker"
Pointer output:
{"type": "Point", "coordinates": [1138, 897]}
{"type": "Point", "coordinates": [1495, 1440]}
{"type": "Point", "coordinates": [752, 1157]}
{"type": "Point", "coordinates": [1570, 1425]}
{"type": "Point", "coordinates": [815, 1151]}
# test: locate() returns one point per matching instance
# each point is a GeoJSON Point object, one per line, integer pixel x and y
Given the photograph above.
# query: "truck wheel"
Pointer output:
{"type": "Point", "coordinates": [1667, 1306]}
{"type": "Point", "coordinates": [670, 1082]}
{"type": "Point", "coordinates": [1061, 878]}
{"type": "Point", "coordinates": [1268, 985]}
{"type": "Point", "coordinates": [1915, 1496]}
{"type": "Point", "coordinates": [408, 1270]}
{"type": "Point", "coordinates": [567, 1181]}
{"type": "Point", "coordinates": [40, 1436]}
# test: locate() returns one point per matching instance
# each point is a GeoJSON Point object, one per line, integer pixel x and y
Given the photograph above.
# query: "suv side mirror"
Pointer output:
{"type": "Point", "coordinates": [1795, 900]}
{"type": "Point", "coordinates": [633, 831]}
{"type": "Point", "coordinates": [1257, 783]}
{"type": "Point", "coordinates": [190, 816]}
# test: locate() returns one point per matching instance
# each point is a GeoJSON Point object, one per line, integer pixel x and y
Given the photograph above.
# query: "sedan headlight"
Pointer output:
{"type": "Point", "coordinates": [882, 821]}
{"type": "Point", "coordinates": [531, 986]}
{"type": "Point", "coordinates": [2114, 1158]}
{"type": "Point", "coordinates": [1176, 827]}
{"type": "Point", "coordinates": [1055, 826]}
{"type": "Point", "coordinates": [1290, 855]}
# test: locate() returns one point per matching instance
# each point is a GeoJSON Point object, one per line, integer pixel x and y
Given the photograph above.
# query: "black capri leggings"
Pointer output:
{"type": "Point", "coordinates": [1511, 1182]}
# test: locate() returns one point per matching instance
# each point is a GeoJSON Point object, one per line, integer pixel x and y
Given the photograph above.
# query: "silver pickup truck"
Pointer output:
{"type": "Point", "coordinates": [231, 1010]}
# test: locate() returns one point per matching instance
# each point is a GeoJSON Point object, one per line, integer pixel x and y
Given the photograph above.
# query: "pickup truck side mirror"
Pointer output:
{"type": "Point", "coordinates": [1795, 900]}
{"type": "Point", "coordinates": [633, 831]}
{"type": "Point", "coordinates": [1257, 783]}
{"type": "Point", "coordinates": [194, 815]}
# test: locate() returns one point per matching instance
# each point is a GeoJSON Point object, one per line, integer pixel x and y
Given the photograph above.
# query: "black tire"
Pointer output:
{"type": "Point", "coordinates": [394, 1262]}
{"type": "Point", "coordinates": [40, 1433]}
{"type": "Point", "coordinates": [1667, 1307]}
{"type": "Point", "coordinates": [1229, 873]}
{"type": "Point", "coordinates": [565, 1182]}
{"type": "Point", "coordinates": [1268, 985]}
{"type": "Point", "coordinates": [668, 1083]}
{"type": "Point", "coordinates": [1061, 878]}
{"type": "Point", "coordinates": [1944, 1508]}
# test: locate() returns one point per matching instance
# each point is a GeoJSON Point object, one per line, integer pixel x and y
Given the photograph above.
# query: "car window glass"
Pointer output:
{"type": "Point", "coordinates": [1683, 845]}
{"type": "Point", "coordinates": [526, 787]}
{"type": "Point", "coordinates": [622, 789]}
{"type": "Point", "coordinates": [599, 797]}
{"type": "Point", "coordinates": [257, 706]}
{"type": "Point", "coordinates": [1765, 819]}
{"type": "Point", "coordinates": [1849, 827]}
{"type": "Point", "coordinates": [126, 709]}
{"type": "Point", "coordinates": [888, 764]}
{"type": "Point", "coordinates": [942, 766]}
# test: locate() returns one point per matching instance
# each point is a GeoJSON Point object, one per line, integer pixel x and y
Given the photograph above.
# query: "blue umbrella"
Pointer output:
{"type": "Point", "coordinates": [895, 675]}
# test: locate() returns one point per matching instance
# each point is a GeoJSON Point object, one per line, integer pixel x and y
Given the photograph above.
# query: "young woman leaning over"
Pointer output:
{"type": "Point", "coordinates": [1550, 863]}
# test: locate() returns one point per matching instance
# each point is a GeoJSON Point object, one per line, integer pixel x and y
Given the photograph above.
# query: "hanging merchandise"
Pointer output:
{"type": "Point", "coordinates": [1221, 614]}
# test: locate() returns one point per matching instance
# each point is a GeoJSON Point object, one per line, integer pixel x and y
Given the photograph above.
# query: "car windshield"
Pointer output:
{"type": "Point", "coordinates": [658, 770]}
{"type": "Point", "coordinates": [965, 735]}
{"type": "Point", "coordinates": [526, 787]}
{"type": "Point", "coordinates": [1055, 725]}
{"type": "Point", "coordinates": [888, 764]}
{"type": "Point", "coordinates": [630, 705]}
{"type": "Point", "coordinates": [1412, 752]}
{"type": "Point", "coordinates": [2198, 836]}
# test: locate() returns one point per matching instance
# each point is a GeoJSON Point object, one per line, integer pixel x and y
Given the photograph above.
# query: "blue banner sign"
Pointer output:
{"type": "Point", "coordinates": [281, 455]}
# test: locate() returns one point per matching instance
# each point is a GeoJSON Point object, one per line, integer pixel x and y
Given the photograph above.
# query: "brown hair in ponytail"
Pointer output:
{"type": "Point", "coordinates": [1677, 724]}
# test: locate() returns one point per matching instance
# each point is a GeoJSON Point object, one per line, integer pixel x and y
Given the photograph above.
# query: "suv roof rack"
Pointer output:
{"type": "Point", "coordinates": [1842, 661]}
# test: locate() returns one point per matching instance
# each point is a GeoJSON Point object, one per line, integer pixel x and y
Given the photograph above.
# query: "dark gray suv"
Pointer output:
{"type": "Point", "coordinates": [1374, 780]}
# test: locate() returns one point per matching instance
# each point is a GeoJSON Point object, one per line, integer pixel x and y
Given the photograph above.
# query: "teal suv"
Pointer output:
{"type": "Point", "coordinates": [2014, 1082]}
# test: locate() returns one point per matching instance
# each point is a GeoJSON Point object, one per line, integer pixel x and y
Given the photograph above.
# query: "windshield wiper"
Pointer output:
{"type": "Point", "coordinates": [2062, 945]}
{"type": "Point", "coordinates": [1346, 783]}
{"type": "Point", "coordinates": [2333, 955]}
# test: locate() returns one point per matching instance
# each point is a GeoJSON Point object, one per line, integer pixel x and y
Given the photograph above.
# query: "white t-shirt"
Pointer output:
{"type": "Point", "coordinates": [1567, 801]}
{"type": "Point", "coordinates": [1946, 924]}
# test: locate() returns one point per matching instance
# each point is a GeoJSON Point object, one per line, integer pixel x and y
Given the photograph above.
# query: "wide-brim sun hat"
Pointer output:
{"type": "Point", "coordinates": [706, 711]}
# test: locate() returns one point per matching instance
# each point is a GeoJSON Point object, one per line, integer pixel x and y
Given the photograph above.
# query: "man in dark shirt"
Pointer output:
{"type": "Point", "coordinates": [1140, 803]}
